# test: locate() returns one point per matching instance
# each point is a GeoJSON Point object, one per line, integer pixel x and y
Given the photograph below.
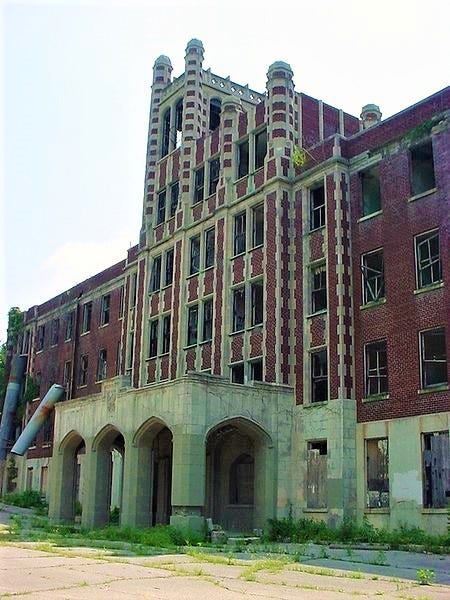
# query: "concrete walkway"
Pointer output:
{"type": "Point", "coordinates": [46, 572]}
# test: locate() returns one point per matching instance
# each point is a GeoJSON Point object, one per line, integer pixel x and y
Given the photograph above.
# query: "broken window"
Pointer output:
{"type": "Point", "coordinates": [239, 233]}
{"type": "Point", "coordinates": [44, 480]}
{"type": "Point", "coordinates": [372, 268]}
{"type": "Point", "coordinates": [118, 357]}
{"type": "Point", "coordinates": [377, 472]}
{"type": "Point", "coordinates": [256, 370]}
{"type": "Point", "coordinates": [214, 166]}
{"type": "Point", "coordinates": [243, 158]}
{"type": "Point", "coordinates": [239, 309]}
{"type": "Point", "coordinates": [199, 184]}
{"type": "Point", "coordinates": [317, 207]}
{"type": "Point", "coordinates": [102, 365]}
{"type": "Point", "coordinates": [69, 326]}
{"type": "Point", "coordinates": [422, 169]}
{"type": "Point", "coordinates": [178, 123]}
{"type": "Point", "coordinates": [192, 329]}
{"type": "Point", "coordinates": [55, 332]}
{"type": "Point", "coordinates": [168, 275]}
{"type": "Point", "coordinates": [155, 278]}
{"type": "Point", "coordinates": [260, 148]}
{"type": "Point", "coordinates": [67, 374]}
{"type": "Point", "coordinates": [257, 302]}
{"type": "Point", "coordinates": [433, 357]}
{"type": "Point", "coordinates": [166, 133]}
{"type": "Point", "coordinates": [153, 338]}
{"type": "Point", "coordinates": [257, 225]}
{"type": "Point", "coordinates": [130, 349]}
{"type": "Point", "coordinates": [194, 259]}
{"type": "Point", "coordinates": [105, 309]}
{"type": "Point", "coordinates": [165, 334]}
{"type": "Point", "coordinates": [237, 373]}
{"type": "Point", "coordinates": [242, 475]}
{"type": "Point", "coordinates": [436, 469]}
{"type": "Point", "coordinates": [87, 315]}
{"type": "Point", "coordinates": [209, 247]}
{"type": "Point", "coordinates": [121, 300]}
{"type": "Point", "coordinates": [29, 483]}
{"type": "Point", "coordinates": [371, 194]}
{"type": "Point", "coordinates": [376, 368]}
{"type": "Point", "coordinates": [174, 192]}
{"type": "Point", "coordinates": [428, 259]}
{"type": "Point", "coordinates": [207, 320]}
{"type": "Point", "coordinates": [83, 374]}
{"type": "Point", "coordinates": [319, 289]}
{"type": "Point", "coordinates": [319, 376]}
{"type": "Point", "coordinates": [40, 338]}
{"type": "Point", "coordinates": [133, 293]}
{"type": "Point", "coordinates": [161, 210]}
{"type": "Point", "coordinates": [316, 475]}
{"type": "Point", "coordinates": [215, 106]}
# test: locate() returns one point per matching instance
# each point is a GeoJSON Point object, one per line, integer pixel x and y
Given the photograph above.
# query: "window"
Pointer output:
{"type": "Point", "coordinates": [84, 364]}
{"type": "Point", "coordinates": [102, 365]}
{"type": "Point", "coordinates": [372, 268]}
{"type": "Point", "coordinates": [428, 259]}
{"type": "Point", "coordinates": [371, 194]}
{"type": "Point", "coordinates": [121, 300]}
{"type": "Point", "coordinates": [40, 338]}
{"type": "Point", "coordinates": [319, 289]}
{"type": "Point", "coordinates": [168, 275]}
{"type": "Point", "coordinates": [242, 476]}
{"type": "Point", "coordinates": [133, 293]}
{"type": "Point", "coordinates": [199, 183]}
{"type": "Point", "coordinates": [44, 480]}
{"type": "Point", "coordinates": [422, 169]}
{"type": "Point", "coordinates": [215, 106]}
{"type": "Point", "coordinates": [67, 375]}
{"type": "Point", "coordinates": [257, 302]}
{"type": "Point", "coordinates": [239, 309]}
{"type": "Point", "coordinates": [166, 133]}
{"type": "Point", "coordinates": [55, 332]}
{"type": "Point", "coordinates": [130, 351]}
{"type": "Point", "coordinates": [155, 278]}
{"type": "Point", "coordinates": [260, 148]}
{"type": "Point", "coordinates": [153, 338]}
{"type": "Point", "coordinates": [436, 469]}
{"type": "Point", "coordinates": [237, 373]}
{"type": "Point", "coordinates": [256, 370]}
{"type": "Point", "coordinates": [192, 325]}
{"type": "Point", "coordinates": [118, 357]}
{"type": "Point", "coordinates": [47, 431]}
{"type": "Point", "coordinates": [242, 159]}
{"type": "Point", "coordinates": [239, 233]}
{"type": "Point", "coordinates": [174, 192]}
{"type": "Point", "coordinates": [87, 315]}
{"type": "Point", "coordinates": [377, 473]}
{"type": "Point", "coordinates": [178, 122]}
{"type": "Point", "coordinates": [29, 484]}
{"type": "Point", "coordinates": [69, 326]}
{"type": "Point", "coordinates": [165, 334]}
{"type": "Point", "coordinates": [194, 259]}
{"type": "Point", "coordinates": [319, 376]}
{"type": "Point", "coordinates": [207, 320]}
{"type": "Point", "coordinates": [317, 207]}
{"type": "Point", "coordinates": [257, 225]}
{"type": "Point", "coordinates": [106, 303]}
{"type": "Point", "coordinates": [214, 167]}
{"type": "Point", "coordinates": [376, 372]}
{"type": "Point", "coordinates": [433, 357]}
{"type": "Point", "coordinates": [209, 247]}
{"type": "Point", "coordinates": [317, 475]}
{"type": "Point", "coordinates": [161, 210]}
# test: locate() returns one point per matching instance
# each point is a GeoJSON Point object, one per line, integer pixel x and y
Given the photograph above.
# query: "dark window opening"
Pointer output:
{"type": "Point", "coordinates": [87, 316]}
{"type": "Point", "coordinates": [317, 475]}
{"type": "Point", "coordinates": [153, 338]}
{"type": "Point", "coordinates": [436, 469]}
{"type": "Point", "coordinates": [371, 194]}
{"type": "Point", "coordinates": [256, 370]}
{"type": "Point", "coordinates": [174, 193]}
{"type": "Point", "coordinates": [155, 279]}
{"type": "Point", "coordinates": [376, 369]}
{"type": "Point", "coordinates": [422, 169]}
{"type": "Point", "coordinates": [178, 123]}
{"type": "Point", "coordinates": [67, 374]}
{"type": "Point", "coordinates": [161, 210]}
{"type": "Point", "coordinates": [429, 267]}
{"type": "Point", "coordinates": [215, 107]}
{"type": "Point", "coordinates": [168, 276]}
{"type": "Point", "coordinates": [240, 233]}
{"type": "Point", "coordinates": [102, 365]}
{"type": "Point", "coordinates": [209, 247]}
{"type": "Point", "coordinates": [207, 320]}
{"type": "Point", "coordinates": [166, 335]}
{"type": "Point", "coordinates": [105, 309]}
{"type": "Point", "coordinates": [121, 300]}
{"type": "Point", "coordinates": [214, 168]}
{"type": "Point", "coordinates": [83, 375]}
{"type": "Point", "coordinates": [242, 475]}
{"type": "Point", "coordinates": [319, 289]}
{"type": "Point", "coordinates": [133, 295]}
{"type": "Point", "coordinates": [317, 206]}
{"type": "Point", "coordinates": [377, 470]}
{"type": "Point", "coordinates": [130, 351]}
{"type": "Point", "coordinates": [372, 268]}
{"type": "Point", "coordinates": [243, 159]}
{"type": "Point", "coordinates": [257, 225]}
{"type": "Point", "coordinates": [434, 358]}
{"type": "Point", "coordinates": [319, 376]}
{"type": "Point", "coordinates": [166, 133]}
{"type": "Point", "coordinates": [260, 149]}
{"type": "Point", "coordinates": [239, 309]}
{"type": "Point", "coordinates": [237, 373]}
{"type": "Point", "coordinates": [118, 358]}
{"type": "Point", "coordinates": [199, 184]}
{"type": "Point", "coordinates": [257, 289]}
{"type": "Point", "coordinates": [194, 259]}
{"type": "Point", "coordinates": [40, 337]}
{"type": "Point", "coordinates": [192, 330]}
{"type": "Point", "coordinates": [55, 331]}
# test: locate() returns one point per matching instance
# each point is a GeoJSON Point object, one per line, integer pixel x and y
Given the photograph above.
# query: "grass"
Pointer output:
{"type": "Point", "coordinates": [27, 499]}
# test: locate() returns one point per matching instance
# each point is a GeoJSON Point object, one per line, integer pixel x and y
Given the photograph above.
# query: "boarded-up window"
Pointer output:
{"type": "Point", "coordinates": [316, 478]}
{"type": "Point", "coordinates": [44, 480]}
{"type": "Point", "coordinates": [29, 482]}
{"type": "Point", "coordinates": [377, 465]}
{"type": "Point", "coordinates": [242, 480]}
{"type": "Point", "coordinates": [436, 469]}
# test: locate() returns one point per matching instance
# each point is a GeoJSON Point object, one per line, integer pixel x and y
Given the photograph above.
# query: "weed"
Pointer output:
{"type": "Point", "coordinates": [324, 553]}
{"type": "Point", "coordinates": [27, 499]}
{"type": "Point", "coordinates": [425, 576]}
{"type": "Point", "coordinates": [380, 558]}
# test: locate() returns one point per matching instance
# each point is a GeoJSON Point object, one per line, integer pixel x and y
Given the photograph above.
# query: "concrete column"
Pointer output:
{"type": "Point", "coordinates": [61, 505]}
{"type": "Point", "coordinates": [97, 488]}
{"type": "Point", "coordinates": [188, 481]}
{"type": "Point", "coordinates": [137, 484]}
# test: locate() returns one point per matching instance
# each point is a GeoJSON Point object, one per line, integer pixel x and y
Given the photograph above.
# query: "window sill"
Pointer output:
{"type": "Point", "coordinates": [190, 346]}
{"type": "Point", "coordinates": [209, 268]}
{"type": "Point", "coordinates": [151, 292]}
{"type": "Point", "coordinates": [85, 333]}
{"type": "Point", "coordinates": [68, 340]}
{"type": "Point", "coordinates": [422, 195]}
{"type": "Point", "coordinates": [168, 285]}
{"type": "Point", "coordinates": [236, 255]}
{"type": "Point", "coordinates": [197, 202]}
{"type": "Point", "coordinates": [203, 342]}
{"type": "Point", "coordinates": [375, 398]}
{"type": "Point", "coordinates": [377, 213]}
{"type": "Point", "coordinates": [100, 380]}
{"type": "Point", "coordinates": [324, 311]}
{"type": "Point", "coordinates": [256, 247]}
{"type": "Point", "coordinates": [315, 510]}
{"type": "Point", "coordinates": [429, 288]}
{"type": "Point", "coordinates": [104, 325]}
{"type": "Point", "coordinates": [150, 358]}
{"type": "Point", "coordinates": [163, 354]}
{"type": "Point", "coordinates": [158, 225]}
{"type": "Point", "coordinates": [80, 387]}
{"type": "Point", "coordinates": [192, 275]}
{"type": "Point", "coordinates": [237, 332]}
{"type": "Point", "coordinates": [373, 304]}
{"type": "Point", "coordinates": [315, 404]}
{"type": "Point", "coordinates": [46, 445]}
{"type": "Point", "coordinates": [255, 326]}
{"type": "Point", "coordinates": [434, 511]}
{"type": "Point", "coordinates": [377, 511]}
{"type": "Point", "coordinates": [432, 389]}
{"type": "Point", "coordinates": [40, 351]}
{"type": "Point", "coordinates": [54, 345]}
{"type": "Point", "coordinates": [317, 229]}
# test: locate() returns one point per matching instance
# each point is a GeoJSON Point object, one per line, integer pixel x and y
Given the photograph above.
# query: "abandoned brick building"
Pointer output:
{"type": "Point", "coordinates": [277, 342]}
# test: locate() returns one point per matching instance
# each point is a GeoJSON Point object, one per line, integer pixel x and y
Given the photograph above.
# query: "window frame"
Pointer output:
{"type": "Point", "coordinates": [379, 375]}
{"type": "Point", "coordinates": [161, 208]}
{"type": "Point", "coordinates": [233, 370]}
{"type": "Point", "coordinates": [255, 223]}
{"type": "Point", "coordinates": [105, 311]}
{"type": "Point", "coordinates": [87, 317]}
{"type": "Point", "coordinates": [174, 199]}
{"type": "Point", "coordinates": [155, 275]}
{"type": "Point", "coordinates": [165, 333]}
{"type": "Point", "coordinates": [317, 378]}
{"type": "Point", "coordinates": [102, 364]}
{"type": "Point", "coordinates": [240, 233]}
{"type": "Point", "coordinates": [192, 334]}
{"type": "Point", "coordinates": [210, 247]}
{"type": "Point", "coordinates": [372, 172]}
{"type": "Point", "coordinates": [207, 336]}
{"type": "Point", "coordinates": [199, 185]}
{"type": "Point", "coordinates": [83, 370]}
{"type": "Point", "coordinates": [235, 328]}
{"type": "Point", "coordinates": [419, 239]}
{"type": "Point", "coordinates": [316, 292]}
{"type": "Point", "coordinates": [256, 284]}
{"type": "Point", "coordinates": [423, 377]}
{"type": "Point", "coordinates": [367, 282]}
{"type": "Point", "coordinates": [55, 332]}
{"type": "Point", "coordinates": [169, 258]}
{"type": "Point", "coordinates": [415, 191]}
{"type": "Point", "coordinates": [320, 209]}
{"type": "Point", "coordinates": [153, 338]}
{"type": "Point", "coordinates": [213, 174]}
{"type": "Point", "coordinates": [380, 504]}
{"type": "Point", "coordinates": [194, 257]}
{"type": "Point", "coordinates": [258, 159]}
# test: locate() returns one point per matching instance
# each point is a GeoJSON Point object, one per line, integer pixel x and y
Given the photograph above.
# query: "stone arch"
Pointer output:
{"type": "Point", "coordinates": [69, 476]}
{"type": "Point", "coordinates": [239, 452]}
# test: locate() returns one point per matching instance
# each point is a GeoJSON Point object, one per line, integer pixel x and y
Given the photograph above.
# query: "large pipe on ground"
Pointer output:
{"type": "Point", "coordinates": [37, 421]}
{"type": "Point", "coordinates": [18, 367]}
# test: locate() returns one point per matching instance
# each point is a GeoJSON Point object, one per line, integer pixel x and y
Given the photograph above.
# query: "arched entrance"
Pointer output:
{"type": "Point", "coordinates": [239, 475]}
{"type": "Point", "coordinates": [70, 498]}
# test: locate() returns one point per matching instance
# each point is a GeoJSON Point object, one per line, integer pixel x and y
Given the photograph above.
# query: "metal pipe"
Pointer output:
{"type": "Point", "coordinates": [18, 367]}
{"type": "Point", "coordinates": [37, 421]}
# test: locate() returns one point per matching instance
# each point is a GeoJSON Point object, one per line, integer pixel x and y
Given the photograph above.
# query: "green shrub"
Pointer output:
{"type": "Point", "coordinates": [27, 499]}
{"type": "Point", "coordinates": [162, 536]}
{"type": "Point", "coordinates": [425, 576]}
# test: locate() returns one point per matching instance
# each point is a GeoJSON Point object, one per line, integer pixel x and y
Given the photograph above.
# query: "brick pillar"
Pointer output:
{"type": "Point", "coordinates": [162, 71]}
{"type": "Point", "coordinates": [229, 126]}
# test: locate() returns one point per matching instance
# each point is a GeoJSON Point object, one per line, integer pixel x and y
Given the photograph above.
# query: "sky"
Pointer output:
{"type": "Point", "coordinates": [75, 91]}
